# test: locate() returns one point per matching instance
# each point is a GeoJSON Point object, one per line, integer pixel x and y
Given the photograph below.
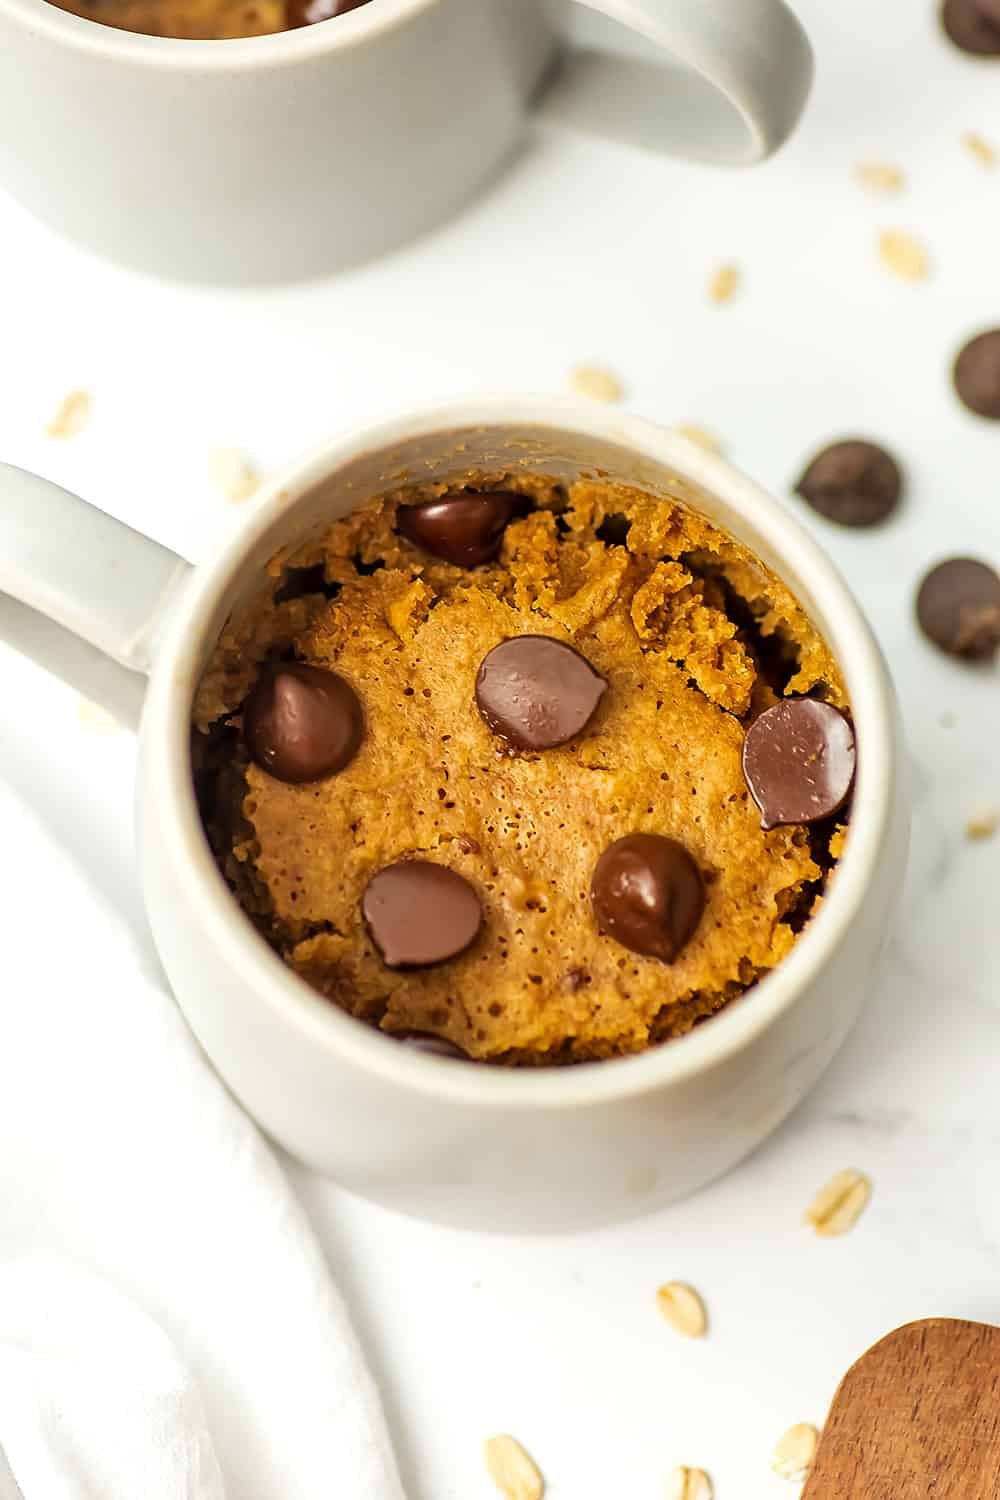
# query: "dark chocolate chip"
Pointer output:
{"type": "Point", "coordinates": [302, 723]}
{"type": "Point", "coordinates": [647, 893]}
{"type": "Point", "coordinates": [308, 12]}
{"type": "Point", "coordinates": [977, 374]}
{"type": "Point", "coordinates": [536, 692]}
{"type": "Point", "coordinates": [434, 1046]}
{"type": "Point", "coordinates": [799, 760]}
{"type": "Point", "coordinates": [958, 607]}
{"type": "Point", "coordinates": [420, 913]}
{"type": "Point", "coordinates": [973, 26]}
{"type": "Point", "coordinates": [854, 483]}
{"type": "Point", "coordinates": [464, 529]}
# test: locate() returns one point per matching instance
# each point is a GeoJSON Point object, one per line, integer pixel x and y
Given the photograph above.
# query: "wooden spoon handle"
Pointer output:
{"type": "Point", "coordinates": [917, 1418]}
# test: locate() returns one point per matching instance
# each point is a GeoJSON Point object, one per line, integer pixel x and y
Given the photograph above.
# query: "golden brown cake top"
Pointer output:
{"type": "Point", "coordinates": [692, 636]}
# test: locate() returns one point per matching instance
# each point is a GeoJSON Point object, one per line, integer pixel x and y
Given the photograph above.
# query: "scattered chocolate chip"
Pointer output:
{"type": "Point", "coordinates": [977, 372]}
{"type": "Point", "coordinates": [420, 913]}
{"type": "Point", "coordinates": [647, 894]}
{"type": "Point", "coordinates": [973, 26]}
{"type": "Point", "coordinates": [302, 723]}
{"type": "Point", "coordinates": [798, 760]}
{"type": "Point", "coordinates": [854, 483]}
{"type": "Point", "coordinates": [536, 692]}
{"type": "Point", "coordinates": [434, 1046]}
{"type": "Point", "coordinates": [958, 607]}
{"type": "Point", "coordinates": [465, 529]}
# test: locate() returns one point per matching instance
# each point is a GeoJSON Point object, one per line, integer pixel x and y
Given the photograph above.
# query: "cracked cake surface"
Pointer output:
{"type": "Point", "coordinates": [694, 638]}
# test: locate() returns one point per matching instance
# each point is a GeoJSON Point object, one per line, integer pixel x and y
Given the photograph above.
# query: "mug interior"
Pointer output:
{"type": "Point", "coordinates": [568, 442]}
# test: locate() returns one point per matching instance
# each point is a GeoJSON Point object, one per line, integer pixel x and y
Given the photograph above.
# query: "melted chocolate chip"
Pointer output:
{"type": "Point", "coordinates": [434, 1046]}
{"type": "Point", "coordinates": [973, 25]}
{"type": "Point", "coordinates": [465, 529]}
{"type": "Point", "coordinates": [854, 483]}
{"type": "Point", "coordinates": [799, 760]}
{"type": "Point", "coordinates": [647, 894]}
{"type": "Point", "coordinates": [958, 608]}
{"type": "Point", "coordinates": [420, 913]}
{"type": "Point", "coordinates": [537, 693]}
{"type": "Point", "coordinates": [977, 372]}
{"type": "Point", "coordinates": [302, 723]}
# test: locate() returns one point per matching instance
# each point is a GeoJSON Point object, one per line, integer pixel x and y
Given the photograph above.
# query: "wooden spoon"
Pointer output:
{"type": "Point", "coordinates": [917, 1418]}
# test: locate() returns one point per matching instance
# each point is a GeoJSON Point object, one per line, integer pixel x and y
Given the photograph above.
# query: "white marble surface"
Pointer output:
{"type": "Point", "coordinates": [591, 252]}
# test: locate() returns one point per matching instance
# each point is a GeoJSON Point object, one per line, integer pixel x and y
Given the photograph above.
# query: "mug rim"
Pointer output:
{"type": "Point", "coordinates": [206, 55]}
{"type": "Point", "coordinates": [182, 840]}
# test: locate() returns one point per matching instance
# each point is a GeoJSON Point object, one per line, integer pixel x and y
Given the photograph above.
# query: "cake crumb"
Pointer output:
{"type": "Point", "coordinates": [983, 825]}
{"type": "Point", "coordinates": [839, 1204]}
{"type": "Point", "coordinates": [879, 177]}
{"type": "Point", "coordinates": [70, 416]}
{"type": "Point", "coordinates": [795, 1450]}
{"type": "Point", "coordinates": [232, 473]}
{"type": "Point", "coordinates": [723, 284]}
{"type": "Point", "coordinates": [904, 255]}
{"type": "Point", "coordinates": [981, 149]}
{"type": "Point", "coordinates": [513, 1471]}
{"type": "Point", "coordinates": [597, 383]}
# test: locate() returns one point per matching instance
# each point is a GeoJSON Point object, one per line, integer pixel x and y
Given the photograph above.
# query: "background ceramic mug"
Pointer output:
{"type": "Point", "coordinates": [459, 1142]}
{"type": "Point", "coordinates": [290, 155]}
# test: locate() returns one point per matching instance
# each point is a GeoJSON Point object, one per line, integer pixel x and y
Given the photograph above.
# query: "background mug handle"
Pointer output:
{"type": "Point", "coordinates": [729, 87]}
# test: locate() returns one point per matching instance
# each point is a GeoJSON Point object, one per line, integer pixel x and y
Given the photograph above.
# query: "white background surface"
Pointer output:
{"type": "Point", "coordinates": [591, 252]}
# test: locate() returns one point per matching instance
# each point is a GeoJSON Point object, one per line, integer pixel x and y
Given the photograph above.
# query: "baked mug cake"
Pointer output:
{"type": "Point", "coordinates": [525, 771]}
{"type": "Point", "coordinates": [208, 20]}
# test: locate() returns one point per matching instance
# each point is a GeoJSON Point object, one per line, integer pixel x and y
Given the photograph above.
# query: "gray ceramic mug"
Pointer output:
{"type": "Point", "coordinates": [459, 1142]}
{"type": "Point", "coordinates": [290, 155]}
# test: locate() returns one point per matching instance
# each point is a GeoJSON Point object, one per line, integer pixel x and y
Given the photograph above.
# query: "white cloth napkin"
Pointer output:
{"type": "Point", "coordinates": [168, 1326]}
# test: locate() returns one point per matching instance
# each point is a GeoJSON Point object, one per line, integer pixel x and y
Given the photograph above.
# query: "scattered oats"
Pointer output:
{"type": "Point", "coordinates": [597, 383]}
{"type": "Point", "coordinates": [984, 825]}
{"type": "Point", "coordinates": [706, 440]}
{"type": "Point", "coordinates": [515, 1475]}
{"type": "Point", "coordinates": [689, 1484]}
{"type": "Point", "coordinates": [838, 1206]}
{"type": "Point", "coordinates": [794, 1453]}
{"type": "Point", "coordinates": [903, 255]}
{"type": "Point", "coordinates": [683, 1309]}
{"type": "Point", "coordinates": [92, 716]}
{"type": "Point", "coordinates": [723, 283]}
{"type": "Point", "coordinates": [232, 473]}
{"type": "Point", "coordinates": [879, 177]}
{"type": "Point", "coordinates": [70, 416]}
{"type": "Point", "coordinates": [984, 153]}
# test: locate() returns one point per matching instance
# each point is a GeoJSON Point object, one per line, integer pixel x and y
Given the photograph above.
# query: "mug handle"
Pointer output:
{"type": "Point", "coordinates": [81, 593]}
{"type": "Point", "coordinates": [745, 71]}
